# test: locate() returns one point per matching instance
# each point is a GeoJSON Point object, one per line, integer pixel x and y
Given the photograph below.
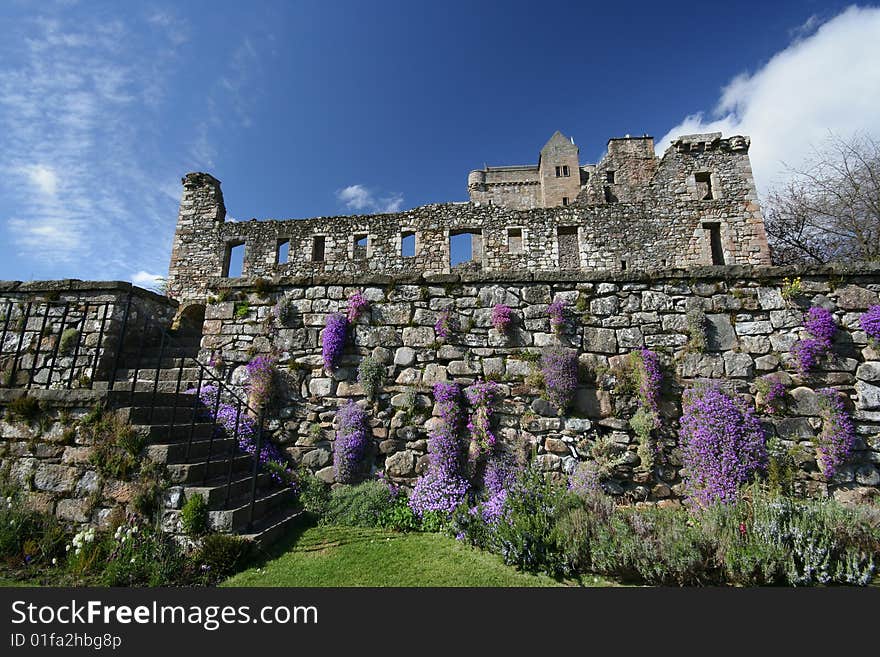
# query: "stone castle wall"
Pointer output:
{"type": "Point", "coordinates": [670, 227]}
{"type": "Point", "coordinates": [750, 328]}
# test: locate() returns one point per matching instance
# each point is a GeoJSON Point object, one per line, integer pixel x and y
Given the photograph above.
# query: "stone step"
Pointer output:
{"type": "Point", "coordinates": [274, 526]}
{"type": "Point", "coordinates": [215, 490]}
{"type": "Point", "coordinates": [199, 450]}
{"type": "Point", "coordinates": [149, 374]}
{"type": "Point", "coordinates": [166, 434]}
{"type": "Point", "coordinates": [202, 471]}
{"type": "Point", "coordinates": [235, 519]}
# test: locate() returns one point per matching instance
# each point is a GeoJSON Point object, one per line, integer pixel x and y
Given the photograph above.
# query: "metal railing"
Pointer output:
{"type": "Point", "coordinates": [109, 354]}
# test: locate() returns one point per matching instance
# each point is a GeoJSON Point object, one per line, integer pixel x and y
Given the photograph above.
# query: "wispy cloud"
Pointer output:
{"type": "Point", "coordinates": [77, 98]}
{"type": "Point", "coordinates": [827, 79]}
{"type": "Point", "coordinates": [362, 199]}
{"type": "Point", "coordinates": [147, 280]}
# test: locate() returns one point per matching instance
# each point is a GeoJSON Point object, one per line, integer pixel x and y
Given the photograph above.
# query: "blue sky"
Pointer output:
{"type": "Point", "coordinates": [323, 108]}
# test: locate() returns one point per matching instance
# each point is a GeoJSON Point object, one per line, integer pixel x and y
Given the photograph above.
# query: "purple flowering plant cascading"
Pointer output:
{"type": "Point", "coordinates": [482, 396]}
{"type": "Point", "coordinates": [559, 368]}
{"type": "Point", "coordinates": [261, 378]}
{"type": "Point", "coordinates": [723, 444]}
{"type": "Point", "coordinates": [773, 392]}
{"type": "Point", "coordinates": [819, 325]}
{"type": "Point", "coordinates": [445, 324]}
{"type": "Point", "coordinates": [333, 339]}
{"type": "Point", "coordinates": [352, 440]}
{"type": "Point", "coordinates": [502, 317]}
{"type": "Point", "coordinates": [870, 324]}
{"type": "Point", "coordinates": [835, 442]}
{"type": "Point", "coordinates": [650, 376]}
{"type": "Point", "coordinates": [442, 487]}
{"type": "Point", "coordinates": [556, 313]}
{"type": "Point", "coordinates": [584, 481]}
{"type": "Point", "coordinates": [498, 477]}
{"type": "Point", "coordinates": [357, 306]}
{"type": "Point", "coordinates": [243, 428]}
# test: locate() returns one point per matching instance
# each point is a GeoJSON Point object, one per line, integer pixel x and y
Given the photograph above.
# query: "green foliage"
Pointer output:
{"type": "Point", "coordinates": [358, 506]}
{"type": "Point", "coordinates": [146, 557]}
{"type": "Point", "coordinates": [526, 536]}
{"type": "Point", "coordinates": [314, 494]}
{"type": "Point", "coordinates": [696, 328]}
{"type": "Point", "coordinates": [371, 375]}
{"type": "Point", "coordinates": [24, 409]}
{"type": "Point", "coordinates": [792, 288]}
{"type": "Point", "coordinates": [28, 537]}
{"type": "Point", "coordinates": [194, 516]}
{"type": "Point", "coordinates": [399, 516]}
{"type": "Point", "coordinates": [220, 555]}
{"type": "Point", "coordinates": [607, 455]}
{"type": "Point", "coordinates": [263, 287]}
{"type": "Point", "coordinates": [68, 341]}
{"type": "Point", "coordinates": [781, 468]}
{"type": "Point", "coordinates": [241, 309]}
{"type": "Point", "coordinates": [116, 445]}
{"type": "Point", "coordinates": [643, 422]}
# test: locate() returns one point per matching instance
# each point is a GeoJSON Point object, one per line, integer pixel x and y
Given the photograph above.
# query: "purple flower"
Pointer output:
{"type": "Point", "coordinates": [236, 423]}
{"type": "Point", "coordinates": [838, 435]}
{"type": "Point", "coordinates": [820, 325]}
{"type": "Point", "coordinates": [559, 367]}
{"type": "Point", "coordinates": [722, 441]}
{"type": "Point", "coordinates": [442, 487]}
{"type": "Point", "coordinates": [481, 396]}
{"type": "Point", "coordinates": [445, 324]}
{"type": "Point", "coordinates": [261, 374]}
{"type": "Point", "coordinates": [352, 439]}
{"type": "Point", "coordinates": [502, 317]}
{"type": "Point", "coordinates": [333, 339]}
{"type": "Point", "coordinates": [556, 312]}
{"type": "Point", "coordinates": [870, 323]}
{"type": "Point", "coordinates": [775, 392]}
{"type": "Point", "coordinates": [584, 481]}
{"type": "Point", "coordinates": [357, 305]}
{"type": "Point", "coordinates": [651, 378]}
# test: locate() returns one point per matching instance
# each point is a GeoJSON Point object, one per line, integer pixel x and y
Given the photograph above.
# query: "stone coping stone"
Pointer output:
{"type": "Point", "coordinates": [77, 285]}
{"type": "Point", "coordinates": [703, 273]}
{"type": "Point", "coordinates": [75, 397]}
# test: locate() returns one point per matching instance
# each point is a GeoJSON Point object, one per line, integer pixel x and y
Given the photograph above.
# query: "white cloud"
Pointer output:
{"type": "Point", "coordinates": [826, 82]}
{"type": "Point", "coordinates": [42, 177]}
{"type": "Point", "coordinates": [360, 198]}
{"type": "Point", "coordinates": [147, 280]}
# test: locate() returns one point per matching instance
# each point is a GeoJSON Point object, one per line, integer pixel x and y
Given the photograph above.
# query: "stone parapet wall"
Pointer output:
{"type": "Point", "coordinates": [750, 326]}
{"type": "Point", "coordinates": [35, 316]}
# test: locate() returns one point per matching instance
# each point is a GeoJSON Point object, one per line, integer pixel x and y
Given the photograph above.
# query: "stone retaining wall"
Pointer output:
{"type": "Point", "coordinates": [750, 326]}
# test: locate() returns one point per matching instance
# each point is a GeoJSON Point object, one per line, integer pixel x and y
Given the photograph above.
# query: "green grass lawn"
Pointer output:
{"type": "Point", "coordinates": [354, 556]}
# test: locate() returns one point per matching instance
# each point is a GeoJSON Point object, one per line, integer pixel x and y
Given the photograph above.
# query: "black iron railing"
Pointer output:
{"type": "Point", "coordinates": [107, 346]}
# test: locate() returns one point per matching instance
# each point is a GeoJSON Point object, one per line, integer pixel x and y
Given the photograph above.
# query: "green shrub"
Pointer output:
{"type": "Point", "coordinates": [399, 516]}
{"type": "Point", "coordinates": [371, 374]}
{"type": "Point", "coordinates": [143, 556]}
{"type": "Point", "coordinates": [24, 409]}
{"type": "Point", "coordinates": [116, 445]}
{"type": "Point", "coordinates": [263, 287]}
{"type": "Point", "coordinates": [241, 309]}
{"type": "Point", "coordinates": [28, 537]}
{"type": "Point", "coordinates": [221, 555]}
{"type": "Point", "coordinates": [358, 506]}
{"type": "Point", "coordinates": [194, 516]}
{"type": "Point", "coordinates": [314, 494]}
{"type": "Point", "coordinates": [68, 341]}
{"type": "Point", "coordinates": [526, 538]}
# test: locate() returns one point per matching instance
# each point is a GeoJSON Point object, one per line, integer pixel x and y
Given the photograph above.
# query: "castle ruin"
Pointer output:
{"type": "Point", "coordinates": [695, 205]}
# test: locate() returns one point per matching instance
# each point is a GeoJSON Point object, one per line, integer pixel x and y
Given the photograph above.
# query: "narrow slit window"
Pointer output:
{"type": "Point", "coordinates": [558, 174]}
{"type": "Point", "coordinates": [318, 247]}
{"type": "Point", "coordinates": [609, 177]}
{"type": "Point", "coordinates": [565, 171]}
{"type": "Point", "coordinates": [360, 247]}
{"type": "Point", "coordinates": [233, 263]}
{"type": "Point", "coordinates": [704, 185]}
{"type": "Point", "coordinates": [714, 232]}
{"type": "Point", "coordinates": [623, 265]}
{"type": "Point", "coordinates": [282, 252]}
{"type": "Point", "coordinates": [609, 195]}
{"type": "Point", "coordinates": [408, 244]}
{"type": "Point", "coordinates": [564, 200]}
{"type": "Point", "coordinates": [514, 240]}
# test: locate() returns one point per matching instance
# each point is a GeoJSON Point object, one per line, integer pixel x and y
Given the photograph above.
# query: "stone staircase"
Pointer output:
{"type": "Point", "coordinates": [199, 457]}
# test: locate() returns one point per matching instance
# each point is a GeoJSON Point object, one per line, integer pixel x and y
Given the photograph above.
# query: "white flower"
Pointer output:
{"type": "Point", "coordinates": [132, 560]}
{"type": "Point", "coordinates": [134, 530]}
{"type": "Point", "coordinates": [67, 548]}
{"type": "Point", "coordinates": [54, 561]}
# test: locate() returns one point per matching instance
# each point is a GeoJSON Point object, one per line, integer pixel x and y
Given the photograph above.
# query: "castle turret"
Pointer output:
{"type": "Point", "coordinates": [194, 253]}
